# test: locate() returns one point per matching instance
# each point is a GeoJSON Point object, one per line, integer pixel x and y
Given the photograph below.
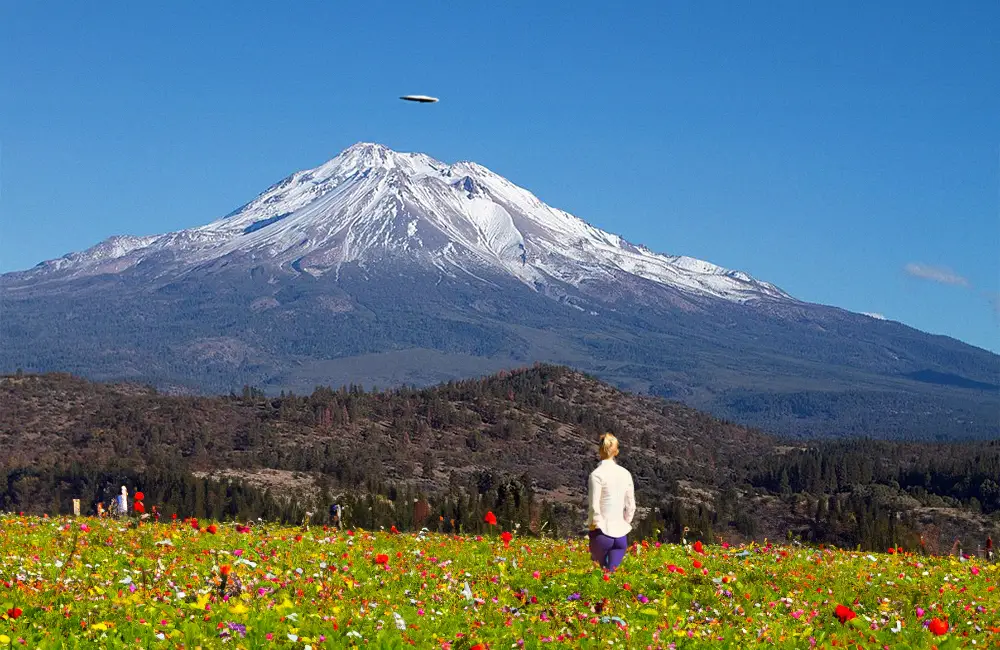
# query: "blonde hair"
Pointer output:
{"type": "Point", "coordinates": [608, 446]}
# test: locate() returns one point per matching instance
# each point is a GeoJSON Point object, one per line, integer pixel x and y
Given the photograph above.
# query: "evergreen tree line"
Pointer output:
{"type": "Point", "coordinates": [959, 474]}
{"type": "Point", "coordinates": [382, 456]}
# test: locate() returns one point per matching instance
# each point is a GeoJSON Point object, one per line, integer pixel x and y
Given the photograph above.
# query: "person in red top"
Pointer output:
{"type": "Point", "coordinates": [989, 548]}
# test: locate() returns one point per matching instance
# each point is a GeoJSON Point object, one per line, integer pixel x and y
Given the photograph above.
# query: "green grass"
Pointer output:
{"type": "Point", "coordinates": [129, 584]}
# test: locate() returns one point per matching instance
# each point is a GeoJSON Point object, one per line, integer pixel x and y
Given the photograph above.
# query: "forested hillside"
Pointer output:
{"type": "Point", "coordinates": [520, 443]}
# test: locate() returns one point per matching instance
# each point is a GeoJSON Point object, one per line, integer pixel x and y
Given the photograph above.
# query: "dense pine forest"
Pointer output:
{"type": "Point", "coordinates": [519, 444]}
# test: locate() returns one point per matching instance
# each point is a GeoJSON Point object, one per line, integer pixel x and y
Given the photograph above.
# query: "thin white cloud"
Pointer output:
{"type": "Point", "coordinates": [941, 274]}
{"type": "Point", "coordinates": [874, 314]}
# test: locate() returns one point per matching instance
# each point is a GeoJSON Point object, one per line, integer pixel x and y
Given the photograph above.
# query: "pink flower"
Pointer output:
{"type": "Point", "coordinates": [536, 575]}
{"type": "Point", "coordinates": [797, 613]}
{"type": "Point", "coordinates": [84, 527]}
{"type": "Point", "coordinates": [920, 612]}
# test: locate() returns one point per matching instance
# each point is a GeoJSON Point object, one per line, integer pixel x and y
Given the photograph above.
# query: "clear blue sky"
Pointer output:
{"type": "Point", "coordinates": [846, 151]}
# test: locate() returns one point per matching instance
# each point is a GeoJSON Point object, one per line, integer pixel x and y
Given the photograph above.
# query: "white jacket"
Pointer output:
{"type": "Point", "coordinates": [612, 499]}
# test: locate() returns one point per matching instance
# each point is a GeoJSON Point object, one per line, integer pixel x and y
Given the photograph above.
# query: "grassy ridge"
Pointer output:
{"type": "Point", "coordinates": [105, 583]}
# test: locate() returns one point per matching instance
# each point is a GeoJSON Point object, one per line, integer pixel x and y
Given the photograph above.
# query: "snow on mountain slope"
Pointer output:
{"type": "Point", "coordinates": [371, 205]}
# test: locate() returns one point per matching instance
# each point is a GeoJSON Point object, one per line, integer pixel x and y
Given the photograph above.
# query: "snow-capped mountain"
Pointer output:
{"type": "Point", "coordinates": [380, 267]}
{"type": "Point", "coordinates": [371, 204]}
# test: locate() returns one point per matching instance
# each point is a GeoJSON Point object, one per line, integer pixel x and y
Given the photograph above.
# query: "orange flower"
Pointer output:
{"type": "Point", "coordinates": [938, 627]}
{"type": "Point", "coordinates": [490, 518]}
{"type": "Point", "coordinates": [225, 569]}
{"type": "Point", "coordinates": [844, 614]}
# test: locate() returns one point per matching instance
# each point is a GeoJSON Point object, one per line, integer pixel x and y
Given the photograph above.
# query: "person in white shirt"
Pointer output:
{"type": "Point", "coordinates": [611, 507]}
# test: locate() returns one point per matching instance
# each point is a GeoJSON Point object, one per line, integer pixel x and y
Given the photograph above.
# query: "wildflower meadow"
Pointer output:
{"type": "Point", "coordinates": [117, 583]}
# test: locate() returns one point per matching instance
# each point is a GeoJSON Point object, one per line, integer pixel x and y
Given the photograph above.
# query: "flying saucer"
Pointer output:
{"type": "Point", "coordinates": [423, 99]}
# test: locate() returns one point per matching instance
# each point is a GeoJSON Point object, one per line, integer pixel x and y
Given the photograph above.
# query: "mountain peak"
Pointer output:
{"type": "Point", "coordinates": [371, 203]}
{"type": "Point", "coordinates": [371, 151]}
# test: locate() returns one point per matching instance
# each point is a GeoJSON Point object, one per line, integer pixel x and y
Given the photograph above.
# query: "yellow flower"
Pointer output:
{"type": "Point", "coordinates": [239, 608]}
{"type": "Point", "coordinates": [4, 639]}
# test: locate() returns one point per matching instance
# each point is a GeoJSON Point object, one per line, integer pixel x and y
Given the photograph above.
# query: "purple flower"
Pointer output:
{"type": "Point", "coordinates": [573, 596]}
{"type": "Point", "coordinates": [642, 599]}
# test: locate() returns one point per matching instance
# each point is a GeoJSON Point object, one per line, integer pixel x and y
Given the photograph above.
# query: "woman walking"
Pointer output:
{"type": "Point", "coordinates": [611, 506]}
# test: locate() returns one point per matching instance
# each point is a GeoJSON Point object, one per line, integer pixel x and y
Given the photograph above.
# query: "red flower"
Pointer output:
{"type": "Point", "coordinates": [194, 524]}
{"type": "Point", "coordinates": [938, 627]}
{"type": "Point", "coordinates": [844, 614]}
{"type": "Point", "coordinates": [381, 558]}
{"type": "Point", "coordinates": [490, 518]}
{"type": "Point", "coordinates": [393, 530]}
{"type": "Point", "coordinates": [139, 496]}
{"type": "Point", "coordinates": [173, 516]}
{"type": "Point", "coordinates": [698, 548]}
{"type": "Point", "coordinates": [506, 537]}
{"type": "Point", "coordinates": [139, 507]}
{"type": "Point", "coordinates": [298, 538]}
{"type": "Point", "coordinates": [225, 569]}
{"type": "Point", "coordinates": [697, 564]}
{"type": "Point", "coordinates": [14, 612]}
{"type": "Point", "coordinates": [478, 646]}
{"type": "Point", "coordinates": [212, 528]}
{"type": "Point", "coordinates": [892, 551]}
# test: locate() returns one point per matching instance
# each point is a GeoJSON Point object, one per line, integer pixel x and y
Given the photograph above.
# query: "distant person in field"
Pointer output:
{"type": "Point", "coordinates": [989, 548]}
{"type": "Point", "coordinates": [611, 507]}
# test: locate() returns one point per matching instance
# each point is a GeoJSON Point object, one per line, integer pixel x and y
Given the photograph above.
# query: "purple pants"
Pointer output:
{"type": "Point", "coordinates": [606, 550]}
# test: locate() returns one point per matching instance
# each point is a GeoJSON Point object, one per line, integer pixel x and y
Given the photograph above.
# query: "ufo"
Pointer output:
{"type": "Point", "coordinates": [423, 99]}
